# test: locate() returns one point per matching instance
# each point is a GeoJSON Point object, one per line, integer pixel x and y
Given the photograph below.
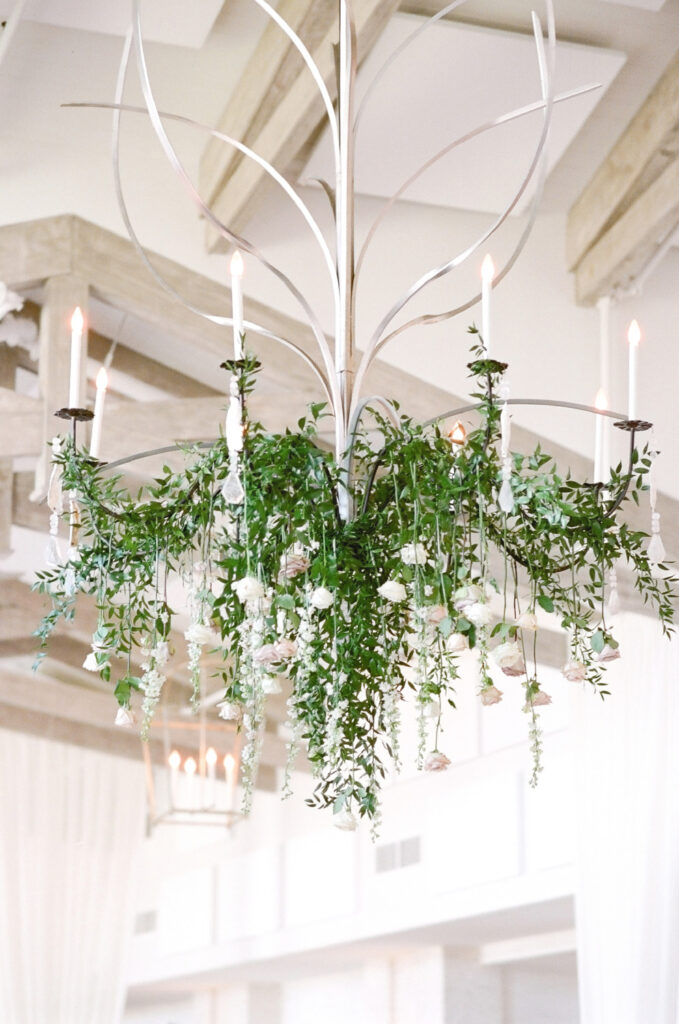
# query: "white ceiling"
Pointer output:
{"type": "Point", "coordinates": [416, 110]}
{"type": "Point", "coordinates": [164, 21]}
{"type": "Point", "coordinates": [647, 5]}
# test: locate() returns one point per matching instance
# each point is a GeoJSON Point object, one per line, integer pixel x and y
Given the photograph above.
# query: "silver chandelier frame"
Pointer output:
{"type": "Point", "coordinates": [339, 365]}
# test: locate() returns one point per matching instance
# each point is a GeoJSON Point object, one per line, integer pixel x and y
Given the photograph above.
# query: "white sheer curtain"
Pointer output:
{"type": "Point", "coordinates": [71, 823]}
{"type": "Point", "coordinates": [628, 799]}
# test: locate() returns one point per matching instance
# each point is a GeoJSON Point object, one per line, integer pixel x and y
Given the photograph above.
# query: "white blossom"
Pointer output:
{"type": "Point", "coordinates": [436, 762]}
{"type": "Point", "coordinates": [393, 591]}
{"type": "Point", "coordinates": [528, 621]}
{"type": "Point", "coordinates": [248, 588]}
{"type": "Point", "coordinates": [490, 695]}
{"type": "Point", "coordinates": [125, 717]}
{"type": "Point", "coordinates": [574, 671]}
{"type": "Point", "coordinates": [456, 643]}
{"type": "Point", "coordinates": [414, 554]}
{"type": "Point", "coordinates": [478, 614]}
{"type": "Point", "coordinates": [345, 821]}
{"type": "Point", "coordinates": [509, 657]}
{"type": "Point", "coordinates": [321, 598]}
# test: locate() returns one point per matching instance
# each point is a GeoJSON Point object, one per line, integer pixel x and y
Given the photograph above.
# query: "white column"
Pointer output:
{"type": "Point", "coordinates": [473, 993]}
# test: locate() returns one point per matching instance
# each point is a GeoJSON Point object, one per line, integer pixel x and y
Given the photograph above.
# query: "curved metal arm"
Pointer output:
{"type": "Point", "coordinates": [397, 53]}
{"type": "Point", "coordinates": [513, 115]}
{"type": "Point", "coordinates": [313, 68]}
{"type": "Point", "coordinates": [179, 169]}
{"type": "Point", "coordinates": [539, 160]}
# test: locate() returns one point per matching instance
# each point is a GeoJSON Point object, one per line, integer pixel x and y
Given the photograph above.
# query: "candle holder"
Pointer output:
{"type": "Point", "coordinates": [635, 426]}
{"type": "Point", "coordinates": [76, 416]}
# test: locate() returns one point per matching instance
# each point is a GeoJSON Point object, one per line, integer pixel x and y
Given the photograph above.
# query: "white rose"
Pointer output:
{"type": "Point", "coordinates": [608, 654]}
{"type": "Point", "coordinates": [393, 591]}
{"type": "Point", "coordinates": [464, 596]}
{"type": "Point", "coordinates": [322, 598]}
{"type": "Point", "coordinates": [490, 695]}
{"type": "Point", "coordinates": [198, 633]}
{"type": "Point", "coordinates": [436, 762]}
{"type": "Point", "coordinates": [539, 700]}
{"type": "Point", "coordinates": [574, 671]}
{"type": "Point", "coordinates": [528, 621]}
{"type": "Point", "coordinates": [230, 711]}
{"type": "Point", "coordinates": [478, 614]}
{"type": "Point", "coordinates": [248, 588]}
{"type": "Point", "coordinates": [345, 821]}
{"type": "Point", "coordinates": [414, 554]}
{"type": "Point", "coordinates": [90, 663]}
{"type": "Point", "coordinates": [125, 717]}
{"type": "Point", "coordinates": [433, 709]}
{"type": "Point", "coordinates": [456, 643]}
{"type": "Point", "coordinates": [270, 685]}
{"type": "Point", "coordinates": [509, 657]}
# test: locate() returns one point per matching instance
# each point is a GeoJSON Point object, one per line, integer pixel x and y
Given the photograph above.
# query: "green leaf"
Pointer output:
{"type": "Point", "coordinates": [597, 641]}
{"type": "Point", "coordinates": [546, 602]}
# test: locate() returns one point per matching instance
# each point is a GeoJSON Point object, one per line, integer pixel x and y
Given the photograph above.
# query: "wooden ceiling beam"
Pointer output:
{"type": "Point", "coordinates": [630, 205]}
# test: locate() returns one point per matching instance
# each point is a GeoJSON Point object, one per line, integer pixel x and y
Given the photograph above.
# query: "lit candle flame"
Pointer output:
{"type": "Point", "coordinates": [634, 333]}
{"type": "Point", "coordinates": [174, 760]}
{"type": "Point", "coordinates": [229, 762]}
{"type": "Point", "coordinates": [236, 266]}
{"type": "Point", "coordinates": [77, 320]}
{"type": "Point", "coordinates": [458, 434]}
{"type": "Point", "coordinates": [601, 400]}
{"type": "Point", "coordinates": [211, 756]}
{"type": "Point", "coordinates": [102, 379]}
{"type": "Point", "coordinates": [487, 268]}
{"type": "Point", "coordinates": [190, 766]}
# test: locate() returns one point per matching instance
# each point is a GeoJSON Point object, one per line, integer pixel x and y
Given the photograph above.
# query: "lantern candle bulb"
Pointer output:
{"type": "Point", "coordinates": [236, 269]}
{"type": "Point", "coordinates": [487, 276]}
{"type": "Point", "coordinates": [633, 337]}
{"type": "Point", "coordinates": [211, 762]}
{"type": "Point", "coordinates": [230, 773]}
{"type": "Point", "coordinates": [77, 325]}
{"type": "Point", "coordinates": [97, 422]}
{"type": "Point", "coordinates": [174, 760]}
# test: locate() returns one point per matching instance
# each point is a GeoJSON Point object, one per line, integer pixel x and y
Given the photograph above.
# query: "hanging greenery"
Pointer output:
{"type": "Point", "coordinates": [449, 547]}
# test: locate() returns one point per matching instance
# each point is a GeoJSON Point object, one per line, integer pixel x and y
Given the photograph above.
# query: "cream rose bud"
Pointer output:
{"type": "Point", "coordinates": [322, 598]}
{"type": "Point", "coordinates": [285, 648]}
{"type": "Point", "coordinates": [608, 654]}
{"type": "Point", "coordinates": [456, 643]}
{"type": "Point", "coordinates": [345, 821]}
{"type": "Point", "coordinates": [433, 709]}
{"type": "Point", "coordinates": [509, 657]}
{"type": "Point", "coordinates": [293, 565]}
{"type": "Point", "coordinates": [436, 762]}
{"type": "Point", "coordinates": [198, 633]}
{"type": "Point", "coordinates": [230, 711]}
{"type": "Point", "coordinates": [90, 662]}
{"type": "Point", "coordinates": [478, 614]}
{"type": "Point", "coordinates": [270, 686]}
{"type": "Point", "coordinates": [491, 695]}
{"type": "Point", "coordinates": [541, 699]}
{"type": "Point", "coordinates": [414, 554]}
{"type": "Point", "coordinates": [528, 620]}
{"type": "Point", "coordinates": [434, 613]}
{"type": "Point", "coordinates": [248, 588]}
{"type": "Point", "coordinates": [574, 671]}
{"type": "Point", "coordinates": [266, 655]}
{"type": "Point", "coordinates": [125, 717]}
{"type": "Point", "coordinates": [393, 591]}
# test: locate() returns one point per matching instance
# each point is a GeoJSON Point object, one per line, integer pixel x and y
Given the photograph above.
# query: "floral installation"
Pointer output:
{"type": "Point", "coordinates": [352, 614]}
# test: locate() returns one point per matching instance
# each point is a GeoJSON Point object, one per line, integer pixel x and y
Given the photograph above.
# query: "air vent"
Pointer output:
{"type": "Point", "coordinates": [145, 922]}
{"type": "Point", "coordinates": [403, 854]}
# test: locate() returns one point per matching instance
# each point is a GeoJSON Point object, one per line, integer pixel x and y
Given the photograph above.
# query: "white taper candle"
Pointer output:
{"type": "Point", "coordinates": [77, 324]}
{"type": "Point", "coordinates": [599, 469]}
{"type": "Point", "coordinates": [487, 275]}
{"type": "Point", "coordinates": [97, 422]}
{"type": "Point", "coordinates": [236, 269]}
{"type": "Point", "coordinates": [633, 337]}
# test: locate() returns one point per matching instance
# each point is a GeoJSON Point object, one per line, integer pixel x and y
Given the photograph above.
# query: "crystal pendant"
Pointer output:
{"type": "Point", "coordinates": [52, 554]}
{"type": "Point", "coordinates": [69, 582]}
{"type": "Point", "coordinates": [232, 491]}
{"type": "Point", "coordinates": [656, 549]}
{"type": "Point", "coordinates": [613, 605]}
{"type": "Point", "coordinates": [506, 499]}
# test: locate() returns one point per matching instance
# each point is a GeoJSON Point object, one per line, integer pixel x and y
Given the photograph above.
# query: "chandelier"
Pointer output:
{"type": "Point", "coordinates": [357, 577]}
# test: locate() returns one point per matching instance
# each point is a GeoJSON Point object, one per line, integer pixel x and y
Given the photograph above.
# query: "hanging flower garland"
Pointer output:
{"type": "Point", "coordinates": [444, 541]}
